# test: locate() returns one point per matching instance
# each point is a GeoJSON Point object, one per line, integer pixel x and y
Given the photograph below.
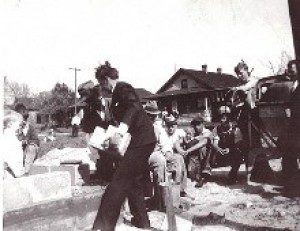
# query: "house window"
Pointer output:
{"type": "Point", "coordinates": [38, 119]}
{"type": "Point", "coordinates": [184, 84]}
{"type": "Point", "coordinates": [174, 105]}
{"type": "Point", "coordinates": [200, 103]}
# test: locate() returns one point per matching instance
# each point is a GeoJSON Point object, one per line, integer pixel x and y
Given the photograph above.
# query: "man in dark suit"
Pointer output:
{"type": "Point", "coordinates": [127, 182]}
{"type": "Point", "coordinates": [290, 166]}
{"type": "Point", "coordinates": [94, 114]}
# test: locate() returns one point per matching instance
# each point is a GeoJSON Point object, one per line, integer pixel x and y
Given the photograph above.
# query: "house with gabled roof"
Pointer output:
{"type": "Point", "coordinates": [143, 95]}
{"type": "Point", "coordinates": [193, 91]}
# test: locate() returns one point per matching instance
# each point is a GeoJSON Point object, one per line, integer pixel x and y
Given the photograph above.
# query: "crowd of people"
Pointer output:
{"type": "Point", "coordinates": [157, 144]}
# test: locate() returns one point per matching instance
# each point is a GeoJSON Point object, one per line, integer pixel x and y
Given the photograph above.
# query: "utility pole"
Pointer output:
{"type": "Point", "coordinates": [75, 70]}
{"type": "Point", "coordinates": [295, 19]}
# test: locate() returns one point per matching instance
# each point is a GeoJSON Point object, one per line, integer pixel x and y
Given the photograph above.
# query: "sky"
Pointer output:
{"type": "Point", "coordinates": [146, 40]}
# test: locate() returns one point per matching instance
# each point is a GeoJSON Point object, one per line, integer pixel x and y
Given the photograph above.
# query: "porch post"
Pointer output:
{"type": "Point", "coordinates": [206, 103]}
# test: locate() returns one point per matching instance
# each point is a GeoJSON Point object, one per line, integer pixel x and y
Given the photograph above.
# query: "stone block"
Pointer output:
{"type": "Point", "coordinates": [38, 169]}
{"type": "Point", "coordinates": [27, 191]}
{"type": "Point", "coordinates": [85, 221]}
{"type": "Point", "coordinates": [15, 194]}
{"type": "Point", "coordinates": [64, 224]}
{"type": "Point", "coordinates": [79, 173]}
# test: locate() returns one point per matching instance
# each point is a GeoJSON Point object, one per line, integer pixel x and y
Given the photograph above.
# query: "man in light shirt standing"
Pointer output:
{"type": "Point", "coordinates": [75, 125]}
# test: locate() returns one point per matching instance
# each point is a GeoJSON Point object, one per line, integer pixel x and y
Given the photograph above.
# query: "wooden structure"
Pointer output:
{"type": "Point", "coordinates": [143, 95]}
{"type": "Point", "coordinates": [193, 91]}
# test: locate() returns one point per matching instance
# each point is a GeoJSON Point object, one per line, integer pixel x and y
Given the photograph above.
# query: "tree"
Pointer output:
{"type": "Point", "coordinates": [19, 90]}
{"type": "Point", "coordinates": [281, 67]}
{"type": "Point", "coordinates": [13, 90]}
{"type": "Point", "coordinates": [56, 102]}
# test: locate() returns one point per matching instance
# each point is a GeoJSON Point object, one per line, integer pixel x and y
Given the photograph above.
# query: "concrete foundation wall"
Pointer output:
{"type": "Point", "coordinates": [77, 213]}
{"type": "Point", "coordinates": [26, 191]}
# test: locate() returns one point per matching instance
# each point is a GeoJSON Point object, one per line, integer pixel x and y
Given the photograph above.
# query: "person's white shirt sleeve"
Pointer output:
{"type": "Point", "coordinates": [13, 156]}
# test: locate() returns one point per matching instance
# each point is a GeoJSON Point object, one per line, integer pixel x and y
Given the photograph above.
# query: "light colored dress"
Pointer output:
{"type": "Point", "coordinates": [12, 154]}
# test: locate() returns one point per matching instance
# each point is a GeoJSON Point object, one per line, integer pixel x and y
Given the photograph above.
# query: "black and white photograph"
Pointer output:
{"type": "Point", "coordinates": [162, 115]}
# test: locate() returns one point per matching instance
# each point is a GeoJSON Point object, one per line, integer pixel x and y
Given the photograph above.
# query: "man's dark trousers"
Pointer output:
{"type": "Point", "coordinates": [126, 183]}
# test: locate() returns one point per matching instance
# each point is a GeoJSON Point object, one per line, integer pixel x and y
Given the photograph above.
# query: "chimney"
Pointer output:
{"type": "Point", "coordinates": [219, 70]}
{"type": "Point", "coordinates": [204, 68]}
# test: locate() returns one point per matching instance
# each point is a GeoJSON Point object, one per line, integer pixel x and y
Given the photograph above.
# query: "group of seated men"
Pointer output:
{"type": "Point", "coordinates": [176, 146]}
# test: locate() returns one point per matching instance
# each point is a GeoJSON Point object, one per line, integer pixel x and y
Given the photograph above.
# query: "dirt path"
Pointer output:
{"type": "Point", "coordinates": [243, 205]}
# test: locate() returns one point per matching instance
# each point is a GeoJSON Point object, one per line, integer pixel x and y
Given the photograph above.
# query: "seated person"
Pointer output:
{"type": "Point", "coordinates": [29, 137]}
{"type": "Point", "coordinates": [175, 159]}
{"type": "Point", "coordinates": [187, 142]}
{"type": "Point", "coordinates": [163, 158]}
{"type": "Point", "coordinates": [200, 145]}
{"type": "Point", "coordinates": [12, 152]}
{"type": "Point", "coordinates": [157, 161]}
{"type": "Point", "coordinates": [229, 152]}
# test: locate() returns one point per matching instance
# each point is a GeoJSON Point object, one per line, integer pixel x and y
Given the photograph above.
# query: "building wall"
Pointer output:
{"type": "Point", "coordinates": [176, 85]}
{"type": "Point", "coordinates": [185, 104]}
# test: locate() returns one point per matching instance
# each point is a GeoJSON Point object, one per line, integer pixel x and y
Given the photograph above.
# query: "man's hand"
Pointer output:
{"type": "Point", "coordinates": [224, 151]}
{"type": "Point", "coordinates": [168, 154]}
{"type": "Point", "coordinates": [115, 140]}
{"type": "Point", "coordinates": [184, 153]}
{"type": "Point", "coordinates": [94, 156]}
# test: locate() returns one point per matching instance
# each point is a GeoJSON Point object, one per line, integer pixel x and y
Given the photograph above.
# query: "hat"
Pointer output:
{"type": "Point", "coordinates": [85, 88]}
{"type": "Point", "coordinates": [170, 121]}
{"type": "Point", "coordinates": [151, 108]}
{"type": "Point", "coordinates": [196, 121]}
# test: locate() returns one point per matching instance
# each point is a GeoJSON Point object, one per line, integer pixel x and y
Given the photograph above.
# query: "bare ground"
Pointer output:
{"type": "Point", "coordinates": [217, 206]}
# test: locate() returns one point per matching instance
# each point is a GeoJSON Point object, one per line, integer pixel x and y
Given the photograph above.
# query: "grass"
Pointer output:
{"type": "Point", "coordinates": [62, 141]}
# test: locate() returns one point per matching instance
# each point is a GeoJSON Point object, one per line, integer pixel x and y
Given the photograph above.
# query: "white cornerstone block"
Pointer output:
{"type": "Point", "coordinates": [27, 191]}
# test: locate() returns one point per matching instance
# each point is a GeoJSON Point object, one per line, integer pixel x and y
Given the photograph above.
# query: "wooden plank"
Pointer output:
{"type": "Point", "coordinates": [166, 188]}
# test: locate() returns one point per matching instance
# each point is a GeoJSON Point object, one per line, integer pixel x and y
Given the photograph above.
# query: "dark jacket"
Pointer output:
{"type": "Point", "coordinates": [91, 118]}
{"type": "Point", "coordinates": [226, 136]}
{"type": "Point", "coordinates": [295, 113]}
{"type": "Point", "coordinates": [31, 137]}
{"type": "Point", "coordinates": [127, 108]}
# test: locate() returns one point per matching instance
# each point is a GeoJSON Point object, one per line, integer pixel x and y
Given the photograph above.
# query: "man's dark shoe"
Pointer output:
{"type": "Point", "coordinates": [184, 194]}
{"type": "Point", "coordinates": [200, 183]}
{"type": "Point", "coordinates": [231, 181]}
{"type": "Point", "coordinates": [136, 223]}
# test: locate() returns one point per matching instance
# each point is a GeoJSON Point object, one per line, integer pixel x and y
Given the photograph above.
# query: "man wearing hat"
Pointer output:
{"type": "Point", "coordinates": [205, 141]}
{"type": "Point", "coordinates": [165, 156]}
{"type": "Point", "coordinates": [229, 147]}
{"type": "Point", "coordinates": [157, 161]}
{"type": "Point", "coordinates": [175, 158]}
{"type": "Point", "coordinates": [129, 116]}
{"type": "Point", "coordinates": [96, 113]}
{"type": "Point", "coordinates": [168, 154]}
